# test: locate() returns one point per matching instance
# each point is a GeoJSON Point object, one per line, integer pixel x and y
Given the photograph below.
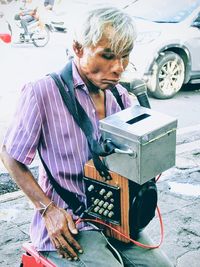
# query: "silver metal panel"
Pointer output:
{"type": "Point", "coordinates": [147, 124]}
{"type": "Point", "coordinates": [150, 135]}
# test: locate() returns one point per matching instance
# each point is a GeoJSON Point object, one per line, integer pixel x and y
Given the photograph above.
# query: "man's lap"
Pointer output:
{"type": "Point", "coordinates": [97, 252]}
{"type": "Point", "coordinates": [133, 255]}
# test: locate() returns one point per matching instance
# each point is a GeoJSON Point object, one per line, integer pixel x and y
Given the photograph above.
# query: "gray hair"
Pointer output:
{"type": "Point", "coordinates": [95, 23]}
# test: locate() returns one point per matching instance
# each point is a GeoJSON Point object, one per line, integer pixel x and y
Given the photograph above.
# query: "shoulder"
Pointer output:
{"type": "Point", "coordinates": [41, 90]}
{"type": "Point", "coordinates": [43, 86]}
{"type": "Point", "coordinates": [122, 90]}
{"type": "Point", "coordinates": [125, 96]}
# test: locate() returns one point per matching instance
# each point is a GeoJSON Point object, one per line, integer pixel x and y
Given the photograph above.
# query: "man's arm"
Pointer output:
{"type": "Point", "coordinates": [59, 223]}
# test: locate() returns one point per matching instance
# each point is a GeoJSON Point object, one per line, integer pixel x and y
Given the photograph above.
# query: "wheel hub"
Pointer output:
{"type": "Point", "coordinates": [169, 77]}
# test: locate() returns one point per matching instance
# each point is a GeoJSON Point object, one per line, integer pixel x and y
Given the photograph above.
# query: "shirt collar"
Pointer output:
{"type": "Point", "coordinates": [78, 81]}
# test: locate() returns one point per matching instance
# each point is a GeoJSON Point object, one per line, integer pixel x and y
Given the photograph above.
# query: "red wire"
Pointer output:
{"type": "Point", "coordinates": [158, 177]}
{"type": "Point", "coordinates": [128, 238]}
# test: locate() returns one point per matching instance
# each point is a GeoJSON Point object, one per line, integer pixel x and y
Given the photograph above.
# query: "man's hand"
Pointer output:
{"type": "Point", "coordinates": [61, 228]}
{"type": "Point", "coordinates": [59, 223]}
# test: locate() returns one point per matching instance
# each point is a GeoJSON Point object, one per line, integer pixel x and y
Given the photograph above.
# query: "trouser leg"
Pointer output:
{"type": "Point", "coordinates": [136, 256]}
{"type": "Point", "coordinates": [96, 252]}
{"type": "Point", "coordinates": [24, 26]}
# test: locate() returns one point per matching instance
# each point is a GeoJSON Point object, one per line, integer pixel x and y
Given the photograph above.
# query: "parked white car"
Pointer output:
{"type": "Point", "coordinates": [167, 51]}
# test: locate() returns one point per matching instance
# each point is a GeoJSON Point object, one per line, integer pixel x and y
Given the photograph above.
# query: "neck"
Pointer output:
{"type": "Point", "coordinates": [93, 89]}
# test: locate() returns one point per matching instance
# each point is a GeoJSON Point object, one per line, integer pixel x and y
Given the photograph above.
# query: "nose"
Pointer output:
{"type": "Point", "coordinates": [118, 67]}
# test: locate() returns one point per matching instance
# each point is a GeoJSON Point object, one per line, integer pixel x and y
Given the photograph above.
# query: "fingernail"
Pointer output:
{"type": "Point", "coordinates": [74, 231]}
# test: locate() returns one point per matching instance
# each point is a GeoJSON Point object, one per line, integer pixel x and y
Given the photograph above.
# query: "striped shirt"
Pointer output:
{"type": "Point", "coordinates": [43, 122]}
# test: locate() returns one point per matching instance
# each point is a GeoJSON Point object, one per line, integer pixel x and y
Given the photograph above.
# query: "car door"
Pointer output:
{"type": "Point", "coordinates": [193, 43]}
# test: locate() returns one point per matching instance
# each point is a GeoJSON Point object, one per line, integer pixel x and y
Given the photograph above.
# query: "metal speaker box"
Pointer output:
{"type": "Point", "coordinates": [145, 141]}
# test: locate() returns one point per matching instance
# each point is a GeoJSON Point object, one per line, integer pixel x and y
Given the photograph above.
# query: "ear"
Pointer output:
{"type": "Point", "coordinates": [78, 49]}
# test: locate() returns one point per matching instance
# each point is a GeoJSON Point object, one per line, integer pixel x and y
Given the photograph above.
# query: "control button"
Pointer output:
{"type": "Point", "coordinates": [91, 187]}
{"type": "Point", "coordinates": [110, 214]}
{"type": "Point", "coordinates": [112, 200]}
{"type": "Point", "coordinates": [105, 205]}
{"type": "Point", "coordinates": [111, 206]}
{"type": "Point", "coordinates": [102, 191]}
{"type": "Point", "coordinates": [109, 194]}
{"type": "Point", "coordinates": [96, 209]}
{"type": "Point", "coordinates": [96, 201]}
{"type": "Point", "coordinates": [101, 211]}
{"type": "Point", "coordinates": [101, 203]}
{"type": "Point", "coordinates": [106, 212]}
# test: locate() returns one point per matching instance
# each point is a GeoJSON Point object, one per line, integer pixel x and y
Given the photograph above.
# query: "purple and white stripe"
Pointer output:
{"type": "Point", "coordinates": [43, 122]}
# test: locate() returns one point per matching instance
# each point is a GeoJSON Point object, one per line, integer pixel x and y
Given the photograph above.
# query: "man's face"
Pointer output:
{"type": "Point", "coordinates": [101, 66]}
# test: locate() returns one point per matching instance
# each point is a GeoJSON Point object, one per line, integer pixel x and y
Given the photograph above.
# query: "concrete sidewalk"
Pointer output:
{"type": "Point", "coordinates": [179, 202]}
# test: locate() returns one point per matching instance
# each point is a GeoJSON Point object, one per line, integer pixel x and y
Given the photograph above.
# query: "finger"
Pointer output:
{"type": "Point", "coordinates": [66, 247]}
{"type": "Point", "coordinates": [72, 241]}
{"type": "Point", "coordinates": [71, 224]}
{"type": "Point", "coordinates": [61, 252]}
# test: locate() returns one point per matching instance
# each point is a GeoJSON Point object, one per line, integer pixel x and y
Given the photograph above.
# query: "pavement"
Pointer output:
{"type": "Point", "coordinates": [179, 203]}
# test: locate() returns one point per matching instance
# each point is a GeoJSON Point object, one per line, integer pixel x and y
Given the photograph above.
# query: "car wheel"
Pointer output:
{"type": "Point", "coordinates": [167, 76]}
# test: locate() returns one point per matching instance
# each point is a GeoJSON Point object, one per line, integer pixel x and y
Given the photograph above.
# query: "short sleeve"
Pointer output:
{"type": "Point", "coordinates": [22, 137]}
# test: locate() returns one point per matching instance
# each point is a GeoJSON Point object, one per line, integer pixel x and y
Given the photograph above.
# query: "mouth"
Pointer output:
{"type": "Point", "coordinates": [111, 82]}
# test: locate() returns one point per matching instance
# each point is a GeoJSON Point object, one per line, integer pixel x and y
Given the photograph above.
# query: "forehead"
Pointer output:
{"type": "Point", "coordinates": [106, 40]}
{"type": "Point", "coordinates": [105, 45]}
{"type": "Point", "coordinates": [111, 42]}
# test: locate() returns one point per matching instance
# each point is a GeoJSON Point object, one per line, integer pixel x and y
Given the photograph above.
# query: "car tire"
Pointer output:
{"type": "Point", "coordinates": [168, 75]}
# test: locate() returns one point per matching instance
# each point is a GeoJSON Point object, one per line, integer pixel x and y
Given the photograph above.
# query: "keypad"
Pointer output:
{"type": "Point", "coordinates": [103, 200]}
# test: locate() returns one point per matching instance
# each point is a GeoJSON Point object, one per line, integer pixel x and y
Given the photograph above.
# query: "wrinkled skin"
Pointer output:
{"type": "Point", "coordinates": [100, 68]}
{"type": "Point", "coordinates": [99, 65]}
{"type": "Point", "coordinates": [61, 230]}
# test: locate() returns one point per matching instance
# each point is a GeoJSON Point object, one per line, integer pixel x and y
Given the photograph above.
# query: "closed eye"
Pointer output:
{"type": "Point", "coordinates": [108, 56]}
{"type": "Point", "coordinates": [112, 56]}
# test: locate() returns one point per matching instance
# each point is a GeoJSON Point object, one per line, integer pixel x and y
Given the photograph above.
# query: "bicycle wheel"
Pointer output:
{"type": "Point", "coordinates": [40, 37]}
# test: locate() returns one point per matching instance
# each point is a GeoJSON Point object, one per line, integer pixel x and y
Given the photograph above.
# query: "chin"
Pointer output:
{"type": "Point", "coordinates": [105, 86]}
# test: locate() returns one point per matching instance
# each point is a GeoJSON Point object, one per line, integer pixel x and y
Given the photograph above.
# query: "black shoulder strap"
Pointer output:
{"type": "Point", "coordinates": [81, 118]}
{"type": "Point", "coordinates": [118, 97]}
{"type": "Point", "coordinates": [70, 198]}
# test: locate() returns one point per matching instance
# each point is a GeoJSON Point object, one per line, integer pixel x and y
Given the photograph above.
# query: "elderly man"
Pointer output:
{"type": "Point", "coordinates": [102, 43]}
